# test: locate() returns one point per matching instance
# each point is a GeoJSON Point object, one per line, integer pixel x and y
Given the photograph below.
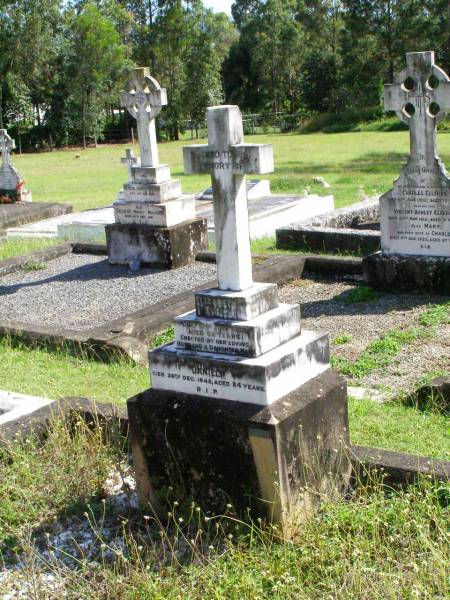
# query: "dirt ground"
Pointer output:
{"type": "Point", "coordinates": [324, 308]}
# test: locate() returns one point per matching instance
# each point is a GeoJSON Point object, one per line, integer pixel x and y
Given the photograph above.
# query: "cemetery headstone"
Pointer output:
{"type": "Point", "coordinates": [12, 186]}
{"type": "Point", "coordinates": [155, 222]}
{"type": "Point", "coordinates": [243, 406]}
{"type": "Point", "coordinates": [415, 214]}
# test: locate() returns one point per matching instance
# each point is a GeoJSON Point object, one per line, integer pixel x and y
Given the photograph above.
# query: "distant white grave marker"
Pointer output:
{"type": "Point", "coordinates": [6, 144]}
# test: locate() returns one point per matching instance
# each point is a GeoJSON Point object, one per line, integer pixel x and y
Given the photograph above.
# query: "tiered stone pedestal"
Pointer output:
{"type": "Point", "coordinates": [288, 455]}
{"type": "Point", "coordinates": [403, 273]}
{"type": "Point", "coordinates": [155, 222]}
{"type": "Point", "coordinates": [244, 408]}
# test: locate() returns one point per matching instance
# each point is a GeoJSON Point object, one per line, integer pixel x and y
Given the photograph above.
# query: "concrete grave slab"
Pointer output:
{"type": "Point", "coordinates": [14, 216]}
{"type": "Point", "coordinates": [354, 229]}
{"type": "Point", "coordinates": [14, 405]}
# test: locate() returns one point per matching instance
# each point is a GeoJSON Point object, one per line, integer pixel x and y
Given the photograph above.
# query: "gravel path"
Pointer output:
{"type": "Point", "coordinates": [366, 321]}
{"type": "Point", "coordinates": [82, 292]}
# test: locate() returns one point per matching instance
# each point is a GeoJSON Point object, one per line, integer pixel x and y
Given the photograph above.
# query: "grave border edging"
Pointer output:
{"type": "Point", "coordinates": [129, 335]}
{"type": "Point", "coordinates": [399, 468]}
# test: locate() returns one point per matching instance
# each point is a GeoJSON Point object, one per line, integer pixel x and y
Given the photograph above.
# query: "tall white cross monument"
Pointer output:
{"type": "Point", "coordinates": [228, 160]}
{"type": "Point", "coordinates": [415, 214]}
{"type": "Point", "coordinates": [243, 404]}
{"type": "Point", "coordinates": [144, 100]}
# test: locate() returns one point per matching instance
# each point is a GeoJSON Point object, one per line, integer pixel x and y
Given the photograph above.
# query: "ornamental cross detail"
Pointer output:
{"type": "Point", "coordinates": [227, 159]}
{"type": "Point", "coordinates": [131, 161]}
{"type": "Point", "coordinates": [6, 145]}
{"type": "Point", "coordinates": [420, 97]}
{"type": "Point", "coordinates": [144, 100]}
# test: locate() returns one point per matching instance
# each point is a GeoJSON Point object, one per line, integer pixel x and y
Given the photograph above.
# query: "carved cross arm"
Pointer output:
{"type": "Point", "coordinates": [241, 159]}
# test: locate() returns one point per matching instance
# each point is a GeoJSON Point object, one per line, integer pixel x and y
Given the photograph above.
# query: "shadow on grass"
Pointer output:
{"type": "Point", "coordinates": [377, 162]}
{"type": "Point", "coordinates": [378, 306]}
{"type": "Point", "coordinates": [371, 162]}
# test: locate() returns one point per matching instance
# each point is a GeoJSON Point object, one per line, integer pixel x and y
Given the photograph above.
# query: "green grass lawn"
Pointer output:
{"type": "Point", "coordinates": [53, 374]}
{"type": "Point", "coordinates": [18, 247]}
{"type": "Point", "coordinates": [353, 163]}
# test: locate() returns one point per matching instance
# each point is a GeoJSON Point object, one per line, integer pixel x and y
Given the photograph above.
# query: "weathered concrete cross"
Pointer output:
{"type": "Point", "coordinates": [130, 160]}
{"type": "Point", "coordinates": [421, 98]}
{"type": "Point", "coordinates": [228, 160]}
{"type": "Point", "coordinates": [6, 144]}
{"type": "Point", "coordinates": [144, 100]}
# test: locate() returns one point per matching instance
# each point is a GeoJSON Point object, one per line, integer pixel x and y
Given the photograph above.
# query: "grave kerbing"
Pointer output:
{"type": "Point", "coordinates": [155, 223]}
{"type": "Point", "coordinates": [12, 185]}
{"type": "Point", "coordinates": [243, 405]}
{"type": "Point", "coordinates": [415, 214]}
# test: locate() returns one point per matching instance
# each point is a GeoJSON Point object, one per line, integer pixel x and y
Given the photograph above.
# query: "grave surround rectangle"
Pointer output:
{"type": "Point", "coordinates": [151, 198]}
{"type": "Point", "coordinates": [266, 361]}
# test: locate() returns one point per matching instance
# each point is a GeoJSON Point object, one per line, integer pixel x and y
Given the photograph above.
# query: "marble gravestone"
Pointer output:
{"type": "Point", "coordinates": [415, 214]}
{"type": "Point", "coordinates": [12, 186]}
{"type": "Point", "coordinates": [155, 223]}
{"type": "Point", "coordinates": [243, 406]}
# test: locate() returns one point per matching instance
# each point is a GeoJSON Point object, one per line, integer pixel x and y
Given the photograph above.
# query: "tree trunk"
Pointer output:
{"type": "Point", "coordinates": [83, 120]}
{"type": "Point", "coordinates": [1, 105]}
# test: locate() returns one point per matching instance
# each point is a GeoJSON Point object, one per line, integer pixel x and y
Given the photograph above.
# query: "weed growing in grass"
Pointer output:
{"type": "Point", "coordinates": [165, 337]}
{"type": "Point", "coordinates": [361, 293]}
{"type": "Point", "coordinates": [342, 338]}
{"type": "Point", "coordinates": [39, 480]}
{"type": "Point", "coordinates": [33, 265]}
{"type": "Point", "coordinates": [378, 543]}
{"type": "Point", "coordinates": [378, 353]}
{"type": "Point", "coordinates": [437, 314]}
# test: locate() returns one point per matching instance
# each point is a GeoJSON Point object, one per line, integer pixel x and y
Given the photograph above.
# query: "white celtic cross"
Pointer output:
{"type": "Point", "coordinates": [228, 160]}
{"type": "Point", "coordinates": [144, 100]}
{"type": "Point", "coordinates": [6, 145]}
{"type": "Point", "coordinates": [421, 98]}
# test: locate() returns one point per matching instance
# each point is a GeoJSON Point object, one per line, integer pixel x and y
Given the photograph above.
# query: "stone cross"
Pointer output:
{"type": "Point", "coordinates": [421, 98]}
{"type": "Point", "coordinates": [144, 100]}
{"type": "Point", "coordinates": [6, 144]}
{"type": "Point", "coordinates": [130, 160]}
{"type": "Point", "coordinates": [228, 160]}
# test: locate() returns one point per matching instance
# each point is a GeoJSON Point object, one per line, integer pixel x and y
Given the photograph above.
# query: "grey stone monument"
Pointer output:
{"type": "Point", "coordinates": [155, 222]}
{"type": "Point", "coordinates": [415, 214]}
{"type": "Point", "coordinates": [244, 406]}
{"type": "Point", "coordinates": [12, 186]}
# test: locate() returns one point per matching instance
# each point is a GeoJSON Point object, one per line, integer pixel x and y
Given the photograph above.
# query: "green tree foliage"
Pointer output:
{"type": "Point", "coordinates": [62, 62]}
{"type": "Point", "coordinates": [96, 62]}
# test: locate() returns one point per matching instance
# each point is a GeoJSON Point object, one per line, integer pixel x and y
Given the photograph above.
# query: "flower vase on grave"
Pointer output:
{"type": "Point", "coordinates": [155, 223]}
